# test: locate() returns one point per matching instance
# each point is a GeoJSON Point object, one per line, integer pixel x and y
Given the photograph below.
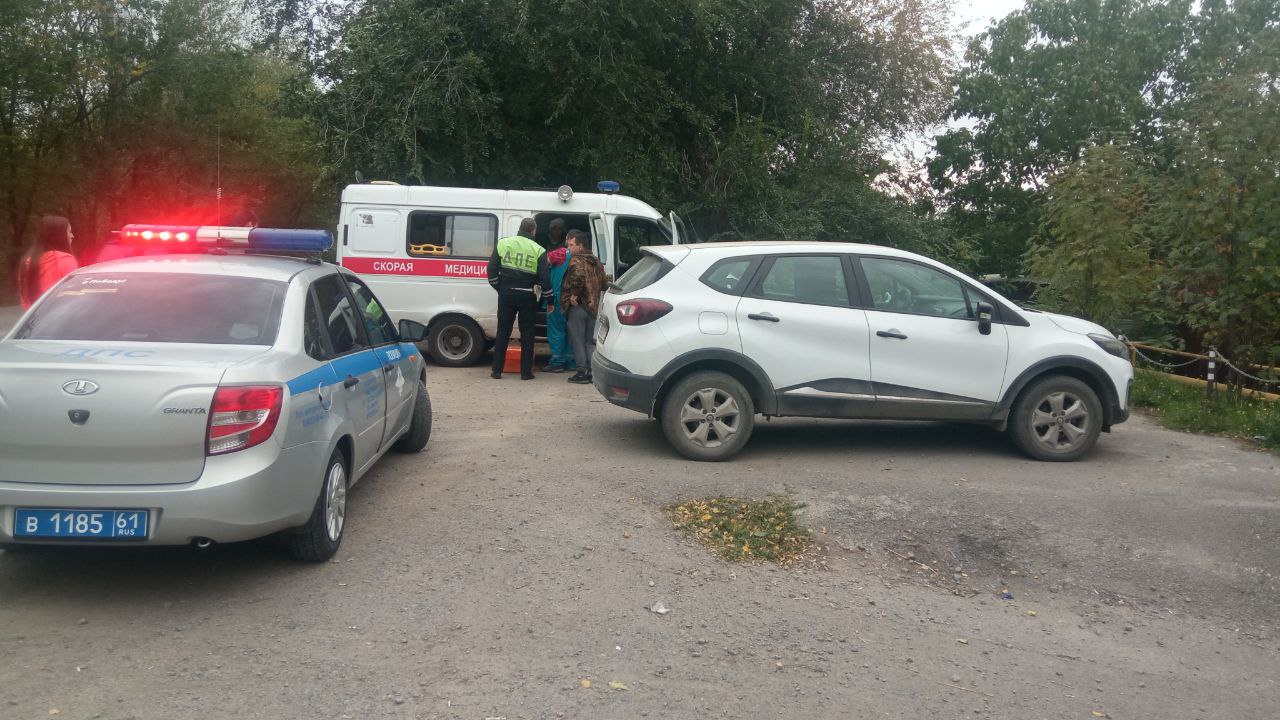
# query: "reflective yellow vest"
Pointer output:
{"type": "Point", "coordinates": [519, 253]}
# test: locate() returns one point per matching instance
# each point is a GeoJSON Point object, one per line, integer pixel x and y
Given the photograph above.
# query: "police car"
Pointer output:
{"type": "Point", "coordinates": [214, 393]}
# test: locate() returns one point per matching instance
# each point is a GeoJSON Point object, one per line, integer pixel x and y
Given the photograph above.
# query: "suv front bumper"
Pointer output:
{"type": "Point", "coordinates": [622, 387]}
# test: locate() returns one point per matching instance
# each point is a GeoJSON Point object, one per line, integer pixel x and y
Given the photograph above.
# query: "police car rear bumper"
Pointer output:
{"type": "Point", "coordinates": [622, 387]}
{"type": "Point", "coordinates": [240, 496]}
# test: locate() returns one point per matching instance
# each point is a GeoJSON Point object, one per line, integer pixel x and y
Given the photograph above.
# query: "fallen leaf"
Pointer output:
{"type": "Point", "coordinates": [585, 683]}
{"type": "Point", "coordinates": [615, 685]}
{"type": "Point", "coordinates": [54, 711]}
{"type": "Point", "coordinates": [1095, 713]}
{"type": "Point", "coordinates": [1031, 613]}
{"type": "Point", "coordinates": [962, 641]}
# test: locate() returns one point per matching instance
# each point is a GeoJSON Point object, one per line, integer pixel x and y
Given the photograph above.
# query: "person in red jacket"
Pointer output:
{"type": "Point", "coordinates": [47, 261]}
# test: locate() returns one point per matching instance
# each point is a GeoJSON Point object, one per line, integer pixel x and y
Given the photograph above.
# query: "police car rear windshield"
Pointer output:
{"type": "Point", "coordinates": [160, 307]}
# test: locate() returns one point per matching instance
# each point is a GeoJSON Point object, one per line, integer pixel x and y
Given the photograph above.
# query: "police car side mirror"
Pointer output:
{"type": "Point", "coordinates": [412, 331]}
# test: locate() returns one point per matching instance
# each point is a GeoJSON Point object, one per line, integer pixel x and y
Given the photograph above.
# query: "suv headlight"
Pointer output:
{"type": "Point", "coordinates": [1111, 345]}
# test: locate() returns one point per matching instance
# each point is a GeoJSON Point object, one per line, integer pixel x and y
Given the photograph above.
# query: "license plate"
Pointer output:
{"type": "Point", "coordinates": [79, 523]}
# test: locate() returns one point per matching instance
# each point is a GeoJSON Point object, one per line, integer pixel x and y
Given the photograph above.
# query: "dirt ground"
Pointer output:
{"type": "Point", "coordinates": [516, 558]}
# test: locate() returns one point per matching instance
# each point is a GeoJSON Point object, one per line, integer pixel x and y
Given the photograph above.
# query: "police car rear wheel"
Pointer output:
{"type": "Point", "coordinates": [455, 342]}
{"type": "Point", "coordinates": [320, 538]}
{"type": "Point", "coordinates": [419, 427]}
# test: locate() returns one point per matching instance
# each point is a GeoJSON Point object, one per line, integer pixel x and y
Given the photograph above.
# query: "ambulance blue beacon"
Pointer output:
{"type": "Point", "coordinates": [222, 385]}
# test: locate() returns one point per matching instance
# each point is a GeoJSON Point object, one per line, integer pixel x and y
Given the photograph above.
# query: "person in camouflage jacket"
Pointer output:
{"type": "Point", "coordinates": [580, 298]}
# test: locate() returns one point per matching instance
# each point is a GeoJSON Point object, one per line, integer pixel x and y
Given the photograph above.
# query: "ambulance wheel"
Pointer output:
{"type": "Point", "coordinates": [319, 539]}
{"type": "Point", "coordinates": [419, 427]}
{"type": "Point", "coordinates": [455, 342]}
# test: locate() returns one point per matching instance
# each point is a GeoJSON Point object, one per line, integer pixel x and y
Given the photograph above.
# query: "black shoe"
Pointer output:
{"type": "Point", "coordinates": [580, 378]}
{"type": "Point", "coordinates": [526, 377]}
{"type": "Point", "coordinates": [496, 374]}
{"type": "Point", "coordinates": [554, 368]}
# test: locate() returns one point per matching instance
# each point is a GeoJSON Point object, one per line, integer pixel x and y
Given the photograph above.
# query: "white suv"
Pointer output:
{"type": "Point", "coordinates": [703, 337]}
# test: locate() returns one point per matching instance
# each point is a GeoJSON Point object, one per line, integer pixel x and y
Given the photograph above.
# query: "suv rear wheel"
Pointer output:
{"type": "Point", "coordinates": [1056, 418]}
{"type": "Point", "coordinates": [708, 416]}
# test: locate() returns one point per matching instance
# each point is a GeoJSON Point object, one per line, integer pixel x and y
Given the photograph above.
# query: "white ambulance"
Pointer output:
{"type": "Point", "coordinates": [424, 251]}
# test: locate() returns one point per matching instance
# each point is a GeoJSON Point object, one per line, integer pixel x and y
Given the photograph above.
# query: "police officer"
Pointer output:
{"type": "Point", "coordinates": [518, 268]}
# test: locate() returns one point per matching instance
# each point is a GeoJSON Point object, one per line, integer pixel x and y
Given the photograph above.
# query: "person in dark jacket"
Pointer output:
{"type": "Point", "coordinates": [518, 271]}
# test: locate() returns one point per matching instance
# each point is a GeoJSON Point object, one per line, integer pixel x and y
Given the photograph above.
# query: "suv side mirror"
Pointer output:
{"type": "Point", "coordinates": [414, 332]}
{"type": "Point", "coordinates": [984, 317]}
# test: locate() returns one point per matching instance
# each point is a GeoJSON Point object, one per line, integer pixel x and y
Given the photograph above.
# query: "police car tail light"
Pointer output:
{"type": "Point", "coordinates": [243, 416]}
{"type": "Point", "coordinates": [642, 311]}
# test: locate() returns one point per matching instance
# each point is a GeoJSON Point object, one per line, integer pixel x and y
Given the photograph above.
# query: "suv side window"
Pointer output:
{"type": "Point", "coordinates": [811, 279]}
{"type": "Point", "coordinates": [340, 319]}
{"type": "Point", "coordinates": [376, 320]}
{"type": "Point", "coordinates": [728, 276]}
{"type": "Point", "coordinates": [906, 287]}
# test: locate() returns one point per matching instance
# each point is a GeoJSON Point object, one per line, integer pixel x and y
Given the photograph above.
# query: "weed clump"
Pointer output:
{"type": "Point", "coordinates": [744, 529]}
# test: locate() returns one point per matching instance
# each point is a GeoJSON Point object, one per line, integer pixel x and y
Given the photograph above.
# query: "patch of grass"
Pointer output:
{"type": "Point", "coordinates": [1185, 407]}
{"type": "Point", "coordinates": [745, 529]}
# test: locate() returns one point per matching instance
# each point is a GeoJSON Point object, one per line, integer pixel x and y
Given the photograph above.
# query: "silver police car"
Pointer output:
{"type": "Point", "coordinates": [200, 398]}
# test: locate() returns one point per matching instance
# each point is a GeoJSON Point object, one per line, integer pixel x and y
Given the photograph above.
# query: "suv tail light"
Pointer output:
{"type": "Point", "coordinates": [243, 416]}
{"type": "Point", "coordinates": [642, 311]}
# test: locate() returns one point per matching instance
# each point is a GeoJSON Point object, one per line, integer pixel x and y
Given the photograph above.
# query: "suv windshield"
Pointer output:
{"type": "Point", "coordinates": [159, 307]}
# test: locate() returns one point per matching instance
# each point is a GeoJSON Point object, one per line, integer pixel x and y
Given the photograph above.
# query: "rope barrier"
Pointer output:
{"type": "Point", "coordinates": [1254, 378]}
{"type": "Point", "coordinates": [1144, 356]}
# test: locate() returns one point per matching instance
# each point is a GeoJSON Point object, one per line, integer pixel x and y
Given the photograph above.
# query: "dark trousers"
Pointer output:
{"type": "Point", "coordinates": [513, 303]}
{"type": "Point", "coordinates": [582, 334]}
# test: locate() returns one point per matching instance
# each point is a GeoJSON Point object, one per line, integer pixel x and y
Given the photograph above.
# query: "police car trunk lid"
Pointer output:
{"type": "Point", "coordinates": [77, 413]}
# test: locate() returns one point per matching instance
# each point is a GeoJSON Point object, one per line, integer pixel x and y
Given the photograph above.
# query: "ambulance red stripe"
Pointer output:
{"type": "Point", "coordinates": [425, 267]}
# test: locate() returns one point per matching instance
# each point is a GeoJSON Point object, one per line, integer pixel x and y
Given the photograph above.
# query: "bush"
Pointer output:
{"type": "Point", "coordinates": [1185, 407]}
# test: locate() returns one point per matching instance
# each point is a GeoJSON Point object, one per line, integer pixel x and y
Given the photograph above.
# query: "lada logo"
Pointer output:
{"type": "Point", "coordinates": [80, 387]}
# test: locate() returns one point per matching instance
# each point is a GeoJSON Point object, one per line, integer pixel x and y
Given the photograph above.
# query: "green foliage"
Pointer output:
{"type": "Point", "coordinates": [1039, 86]}
{"type": "Point", "coordinates": [1094, 249]}
{"type": "Point", "coordinates": [754, 118]}
{"type": "Point", "coordinates": [745, 529]}
{"type": "Point", "coordinates": [116, 112]}
{"type": "Point", "coordinates": [1186, 407]}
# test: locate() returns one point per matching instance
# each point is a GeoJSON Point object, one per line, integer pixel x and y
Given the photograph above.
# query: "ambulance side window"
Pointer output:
{"type": "Point", "coordinates": [451, 234]}
{"type": "Point", "coordinates": [341, 322]}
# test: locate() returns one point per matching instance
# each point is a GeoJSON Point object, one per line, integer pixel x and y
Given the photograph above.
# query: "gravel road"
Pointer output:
{"type": "Point", "coordinates": [493, 574]}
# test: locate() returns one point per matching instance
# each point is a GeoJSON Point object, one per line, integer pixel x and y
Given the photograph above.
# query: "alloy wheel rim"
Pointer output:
{"type": "Point", "coordinates": [710, 417]}
{"type": "Point", "coordinates": [1060, 421]}
{"type": "Point", "coordinates": [335, 502]}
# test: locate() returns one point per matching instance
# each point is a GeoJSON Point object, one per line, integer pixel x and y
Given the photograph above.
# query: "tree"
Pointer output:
{"type": "Point", "coordinates": [1094, 247]}
{"type": "Point", "coordinates": [753, 116]}
{"type": "Point", "coordinates": [1039, 87]}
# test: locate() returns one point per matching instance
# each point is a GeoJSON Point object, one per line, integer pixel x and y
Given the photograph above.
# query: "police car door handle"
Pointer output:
{"type": "Point", "coordinates": [350, 382]}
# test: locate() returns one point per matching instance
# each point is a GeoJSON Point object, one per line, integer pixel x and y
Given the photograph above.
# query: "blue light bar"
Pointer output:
{"type": "Point", "coordinates": [608, 187]}
{"type": "Point", "coordinates": [189, 238]}
{"type": "Point", "coordinates": [291, 240]}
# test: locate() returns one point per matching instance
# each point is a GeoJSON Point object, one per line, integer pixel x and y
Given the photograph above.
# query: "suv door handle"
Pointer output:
{"type": "Point", "coordinates": [767, 317]}
{"type": "Point", "coordinates": [350, 382]}
{"type": "Point", "coordinates": [893, 333]}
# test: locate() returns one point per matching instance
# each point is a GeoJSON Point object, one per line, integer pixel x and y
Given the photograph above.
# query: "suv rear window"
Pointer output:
{"type": "Point", "coordinates": [647, 271]}
{"type": "Point", "coordinates": [160, 307]}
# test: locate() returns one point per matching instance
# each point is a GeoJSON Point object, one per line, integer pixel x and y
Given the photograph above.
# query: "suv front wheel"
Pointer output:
{"type": "Point", "coordinates": [708, 416]}
{"type": "Point", "coordinates": [1056, 418]}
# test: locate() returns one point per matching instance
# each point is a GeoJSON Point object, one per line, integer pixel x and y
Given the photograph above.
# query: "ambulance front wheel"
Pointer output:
{"type": "Point", "coordinates": [455, 341]}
